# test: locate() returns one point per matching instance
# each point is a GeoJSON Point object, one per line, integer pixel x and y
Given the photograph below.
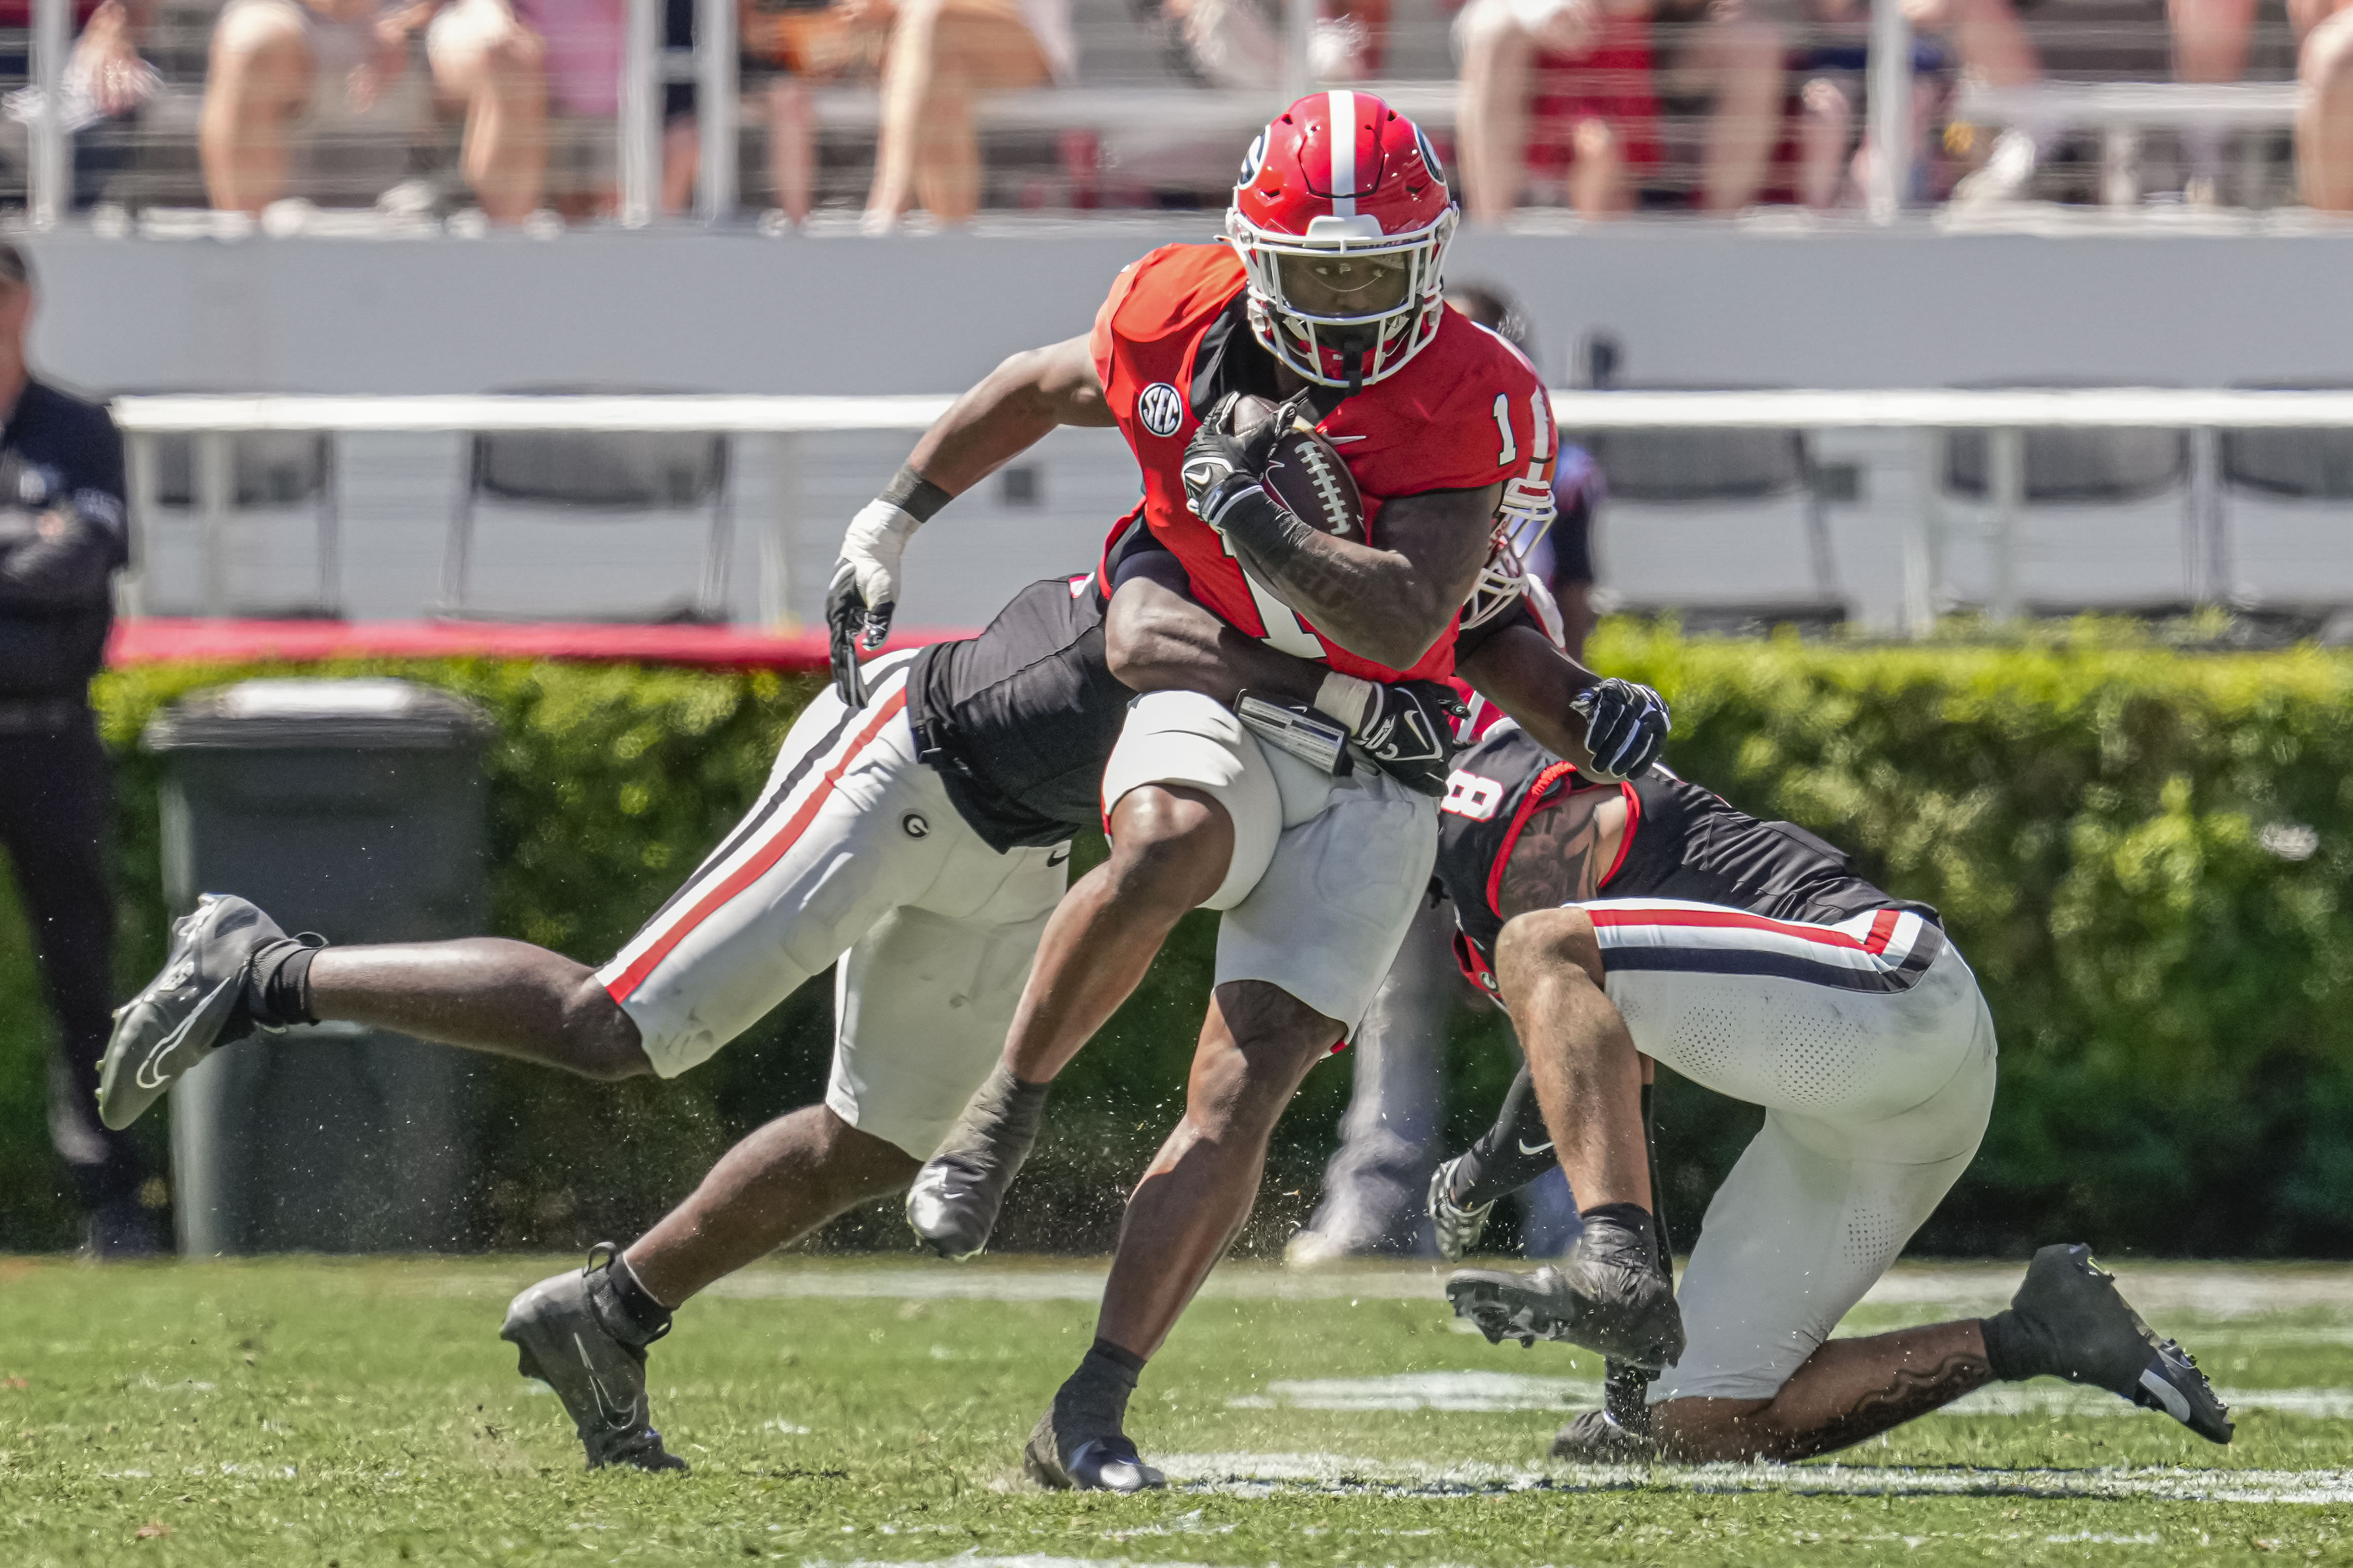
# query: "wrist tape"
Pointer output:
{"type": "Point", "coordinates": [1348, 699]}
{"type": "Point", "coordinates": [913, 494]}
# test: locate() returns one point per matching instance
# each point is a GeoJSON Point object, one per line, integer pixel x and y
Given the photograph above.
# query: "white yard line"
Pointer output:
{"type": "Point", "coordinates": [1259, 1475]}
{"type": "Point", "coordinates": [1921, 1291]}
{"type": "Point", "coordinates": [1480, 1392]}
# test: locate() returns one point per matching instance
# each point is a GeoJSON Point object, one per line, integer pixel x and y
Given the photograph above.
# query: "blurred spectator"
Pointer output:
{"type": "Point", "coordinates": [2209, 45]}
{"type": "Point", "coordinates": [61, 541]}
{"type": "Point", "coordinates": [1729, 52]}
{"type": "Point", "coordinates": [103, 85]}
{"type": "Point", "coordinates": [1832, 73]}
{"type": "Point", "coordinates": [1991, 44]}
{"type": "Point", "coordinates": [941, 53]}
{"type": "Point", "coordinates": [282, 69]}
{"type": "Point", "coordinates": [2324, 116]}
{"type": "Point", "coordinates": [582, 44]}
{"type": "Point", "coordinates": [787, 46]}
{"type": "Point", "coordinates": [1238, 43]}
{"type": "Point", "coordinates": [1581, 71]}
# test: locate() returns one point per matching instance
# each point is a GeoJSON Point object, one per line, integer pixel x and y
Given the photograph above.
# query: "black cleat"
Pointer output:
{"type": "Point", "coordinates": [956, 1197]}
{"type": "Point", "coordinates": [1457, 1228]}
{"type": "Point", "coordinates": [187, 1012]}
{"type": "Point", "coordinates": [1107, 1463]}
{"type": "Point", "coordinates": [1593, 1438]}
{"type": "Point", "coordinates": [1609, 1295]}
{"type": "Point", "coordinates": [2069, 1320]}
{"type": "Point", "coordinates": [562, 1336]}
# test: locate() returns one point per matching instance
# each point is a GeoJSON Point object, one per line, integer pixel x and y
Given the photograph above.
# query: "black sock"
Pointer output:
{"type": "Point", "coordinates": [1093, 1403]}
{"type": "Point", "coordinates": [2009, 1354]}
{"type": "Point", "coordinates": [277, 983]}
{"type": "Point", "coordinates": [1510, 1154]}
{"type": "Point", "coordinates": [643, 1319]}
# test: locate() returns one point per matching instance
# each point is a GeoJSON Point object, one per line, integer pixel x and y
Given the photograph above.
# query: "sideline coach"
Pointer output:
{"type": "Point", "coordinates": [63, 539]}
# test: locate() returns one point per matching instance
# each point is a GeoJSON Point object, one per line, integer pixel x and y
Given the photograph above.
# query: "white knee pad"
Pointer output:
{"type": "Point", "coordinates": [1184, 738]}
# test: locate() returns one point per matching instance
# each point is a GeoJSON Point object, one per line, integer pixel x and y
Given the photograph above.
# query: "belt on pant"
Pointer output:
{"type": "Point", "coordinates": [40, 715]}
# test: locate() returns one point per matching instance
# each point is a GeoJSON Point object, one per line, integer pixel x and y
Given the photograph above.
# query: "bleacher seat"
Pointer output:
{"type": "Point", "coordinates": [2289, 515]}
{"type": "Point", "coordinates": [642, 525]}
{"type": "Point", "coordinates": [1693, 517]}
{"type": "Point", "coordinates": [278, 556]}
{"type": "Point", "coordinates": [2093, 502]}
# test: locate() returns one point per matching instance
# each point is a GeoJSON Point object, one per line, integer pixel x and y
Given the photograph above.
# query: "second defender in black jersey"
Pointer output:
{"type": "Point", "coordinates": [1652, 919]}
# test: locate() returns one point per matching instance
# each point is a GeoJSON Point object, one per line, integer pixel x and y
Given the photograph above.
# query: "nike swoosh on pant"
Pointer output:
{"type": "Point", "coordinates": [1539, 1149]}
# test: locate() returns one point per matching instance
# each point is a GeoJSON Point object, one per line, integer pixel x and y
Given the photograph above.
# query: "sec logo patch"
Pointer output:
{"type": "Point", "coordinates": [1160, 408]}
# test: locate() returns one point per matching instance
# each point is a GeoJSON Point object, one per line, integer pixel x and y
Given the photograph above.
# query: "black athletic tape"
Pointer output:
{"type": "Point", "coordinates": [913, 494]}
{"type": "Point", "coordinates": [1637, 1220]}
{"type": "Point", "coordinates": [644, 1319]}
{"type": "Point", "coordinates": [277, 990]}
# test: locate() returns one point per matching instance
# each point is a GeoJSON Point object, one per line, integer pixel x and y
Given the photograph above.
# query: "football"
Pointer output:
{"type": "Point", "coordinates": [1304, 473]}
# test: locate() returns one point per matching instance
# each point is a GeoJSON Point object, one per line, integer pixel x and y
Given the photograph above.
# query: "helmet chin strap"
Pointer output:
{"type": "Point", "coordinates": [1353, 347]}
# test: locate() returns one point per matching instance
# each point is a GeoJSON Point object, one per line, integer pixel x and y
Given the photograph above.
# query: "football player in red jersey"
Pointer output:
{"type": "Point", "coordinates": [1329, 292]}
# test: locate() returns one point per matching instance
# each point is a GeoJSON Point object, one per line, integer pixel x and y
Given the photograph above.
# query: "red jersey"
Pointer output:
{"type": "Point", "coordinates": [1466, 412]}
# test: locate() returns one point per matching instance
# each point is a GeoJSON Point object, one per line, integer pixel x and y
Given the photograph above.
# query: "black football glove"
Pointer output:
{"type": "Point", "coordinates": [1409, 731]}
{"type": "Point", "coordinates": [1626, 727]}
{"type": "Point", "coordinates": [849, 622]}
{"type": "Point", "coordinates": [1222, 469]}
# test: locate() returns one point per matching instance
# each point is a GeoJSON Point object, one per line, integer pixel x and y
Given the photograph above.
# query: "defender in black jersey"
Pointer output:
{"type": "Point", "coordinates": [1651, 920]}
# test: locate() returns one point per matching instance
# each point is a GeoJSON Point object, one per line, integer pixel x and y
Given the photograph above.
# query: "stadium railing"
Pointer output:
{"type": "Point", "coordinates": [2005, 416]}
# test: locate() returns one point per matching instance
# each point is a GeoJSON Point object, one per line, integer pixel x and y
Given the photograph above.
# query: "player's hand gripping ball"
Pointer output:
{"type": "Point", "coordinates": [1249, 446]}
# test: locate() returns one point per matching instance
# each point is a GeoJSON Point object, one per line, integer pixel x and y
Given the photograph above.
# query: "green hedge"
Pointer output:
{"type": "Point", "coordinates": [2108, 826]}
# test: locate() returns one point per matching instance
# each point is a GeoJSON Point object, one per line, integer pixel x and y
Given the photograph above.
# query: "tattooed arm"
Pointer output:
{"type": "Point", "coordinates": [1563, 852]}
{"type": "Point", "coordinates": [1386, 603]}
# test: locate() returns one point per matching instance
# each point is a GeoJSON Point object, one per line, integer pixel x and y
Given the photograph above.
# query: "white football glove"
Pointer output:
{"type": "Point", "coordinates": [864, 592]}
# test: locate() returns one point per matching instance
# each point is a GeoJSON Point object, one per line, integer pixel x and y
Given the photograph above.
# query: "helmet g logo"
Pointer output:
{"type": "Point", "coordinates": [1160, 408]}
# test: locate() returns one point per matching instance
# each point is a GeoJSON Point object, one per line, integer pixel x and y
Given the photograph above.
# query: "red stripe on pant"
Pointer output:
{"type": "Point", "coordinates": [754, 868]}
{"type": "Point", "coordinates": [1738, 920]}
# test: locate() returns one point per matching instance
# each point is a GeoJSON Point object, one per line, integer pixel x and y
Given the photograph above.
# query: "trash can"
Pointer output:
{"type": "Point", "coordinates": [354, 808]}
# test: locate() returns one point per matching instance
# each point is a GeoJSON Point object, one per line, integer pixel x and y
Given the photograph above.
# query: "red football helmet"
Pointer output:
{"type": "Point", "coordinates": [1342, 218]}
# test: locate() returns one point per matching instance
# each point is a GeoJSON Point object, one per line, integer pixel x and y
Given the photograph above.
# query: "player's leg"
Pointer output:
{"type": "Point", "coordinates": [1611, 1292]}
{"type": "Point", "coordinates": [1799, 1231]}
{"type": "Point", "coordinates": [1195, 813]}
{"type": "Point", "coordinates": [585, 1332]}
{"type": "Point", "coordinates": [1298, 963]}
{"type": "Point", "coordinates": [922, 1003]}
{"type": "Point", "coordinates": [1377, 1178]}
{"type": "Point", "coordinates": [819, 859]}
{"type": "Point", "coordinates": [1516, 1151]}
{"type": "Point", "coordinates": [1255, 1046]}
{"type": "Point", "coordinates": [1844, 1222]}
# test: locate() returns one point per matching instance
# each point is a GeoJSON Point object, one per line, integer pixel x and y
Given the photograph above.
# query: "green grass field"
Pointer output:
{"type": "Point", "coordinates": [869, 1411]}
